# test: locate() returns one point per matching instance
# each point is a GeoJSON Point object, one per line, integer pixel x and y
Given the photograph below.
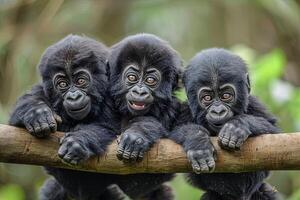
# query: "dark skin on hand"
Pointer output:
{"type": "Point", "coordinates": [220, 104]}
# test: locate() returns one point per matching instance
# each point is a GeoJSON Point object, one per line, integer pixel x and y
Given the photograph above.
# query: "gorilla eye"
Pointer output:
{"type": "Point", "coordinates": [63, 84]}
{"type": "Point", "coordinates": [132, 78]}
{"type": "Point", "coordinates": [81, 81]}
{"type": "Point", "coordinates": [207, 98]}
{"type": "Point", "coordinates": [226, 96]}
{"type": "Point", "coordinates": [151, 81]}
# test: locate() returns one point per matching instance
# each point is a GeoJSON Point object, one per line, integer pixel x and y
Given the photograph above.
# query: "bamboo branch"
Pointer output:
{"type": "Point", "coordinates": [267, 152]}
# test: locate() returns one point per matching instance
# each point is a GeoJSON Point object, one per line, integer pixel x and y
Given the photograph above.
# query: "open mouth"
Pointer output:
{"type": "Point", "coordinates": [137, 105]}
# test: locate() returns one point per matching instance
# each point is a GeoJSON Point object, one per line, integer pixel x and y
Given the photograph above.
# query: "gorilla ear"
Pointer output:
{"type": "Point", "coordinates": [107, 69]}
{"type": "Point", "coordinates": [248, 82]}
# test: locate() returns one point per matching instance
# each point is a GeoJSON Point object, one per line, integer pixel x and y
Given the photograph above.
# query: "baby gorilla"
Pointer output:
{"type": "Point", "coordinates": [71, 98]}
{"type": "Point", "coordinates": [144, 75]}
{"type": "Point", "coordinates": [218, 88]}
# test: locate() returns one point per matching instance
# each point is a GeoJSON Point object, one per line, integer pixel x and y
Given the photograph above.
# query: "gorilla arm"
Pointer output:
{"type": "Point", "coordinates": [195, 141]}
{"type": "Point", "coordinates": [31, 111]}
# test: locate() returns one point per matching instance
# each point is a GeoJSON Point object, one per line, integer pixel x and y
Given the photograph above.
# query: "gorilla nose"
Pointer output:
{"type": "Point", "coordinates": [140, 92]}
{"type": "Point", "coordinates": [74, 96]}
{"type": "Point", "coordinates": [219, 110]}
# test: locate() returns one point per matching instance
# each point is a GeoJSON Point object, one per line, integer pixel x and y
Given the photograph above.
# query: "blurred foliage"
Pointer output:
{"type": "Point", "coordinates": [11, 192]}
{"type": "Point", "coordinates": [266, 34]}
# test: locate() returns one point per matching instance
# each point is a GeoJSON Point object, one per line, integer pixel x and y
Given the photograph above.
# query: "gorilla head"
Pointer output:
{"type": "Point", "coordinates": [74, 75]}
{"type": "Point", "coordinates": [144, 73]}
{"type": "Point", "coordinates": [217, 86]}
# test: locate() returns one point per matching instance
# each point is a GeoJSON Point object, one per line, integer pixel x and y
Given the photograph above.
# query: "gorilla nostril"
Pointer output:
{"type": "Point", "coordinates": [74, 96]}
{"type": "Point", "coordinates": [135, 92]}
{"type": "Point", "coordinates": [219, 111]}
{"type": "Point", "coordinates": [143, 93]}
{"type": "Point", "coordinates": [222, 112]}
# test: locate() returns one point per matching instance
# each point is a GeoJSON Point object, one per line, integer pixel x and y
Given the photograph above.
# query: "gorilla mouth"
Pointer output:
{"type": "Point", "coordinates": [80, 109]}
{"type": "Point", "coordinates": [137, 105]}
{"type": "Point", "coordinates": [218, 124]}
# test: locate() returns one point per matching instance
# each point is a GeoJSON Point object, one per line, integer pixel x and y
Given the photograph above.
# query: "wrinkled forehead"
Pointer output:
{"type": "Point", "coordinates": [214, 78]}
{"type": "Point", "coordinates": [145, 57]}
{"type": "Point", "coordinates": [70, 61]}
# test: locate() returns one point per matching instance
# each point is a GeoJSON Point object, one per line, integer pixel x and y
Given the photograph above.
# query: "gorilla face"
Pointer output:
{"type": "Point", "coordinates": [74, 89]}
{"type": "Point", "coordinates": [75, 77]}
{"type": "Point", "coordinates": [217, 86]}
{"type": "Point", "coordinates": [217, 102]}
{"type": "Point", "coordinates": [140, 84]}
{"type": "Point", "coordinates": [144, 73]}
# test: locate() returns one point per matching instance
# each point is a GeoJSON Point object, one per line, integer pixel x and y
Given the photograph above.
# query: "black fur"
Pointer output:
{"type": "Point", "coordinates": [42, 111]}
{"type": "Point", "coordinates": [93, 132]}
{"type": "Point", "coordinates": [250, 118]}
{"type": "Point", "coordinates": [140, 131]}
{"type": "Point", "coordinates": [99, 128]}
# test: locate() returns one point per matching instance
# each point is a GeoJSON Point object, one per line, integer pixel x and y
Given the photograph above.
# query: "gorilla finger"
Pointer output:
{"type": "Point", "coordinates": [140, 156]}
{"type": "Point", "coordinates": [119, 155]}
{"type": "Point", "coordinates": [224, 140]}
{"type": "Point", "coordinates": [52, 123]}
{"type": "Point", "coordinates": [45, 129]}
{"type": "Point", "coordinates": [37, 129]}
{"type": "Point", "coordinates": [203, 165]}
{"type": "Point", "coordinates": [67, 158]}
{"type": "Point", "coordinates": [136, 150]}
{"type": "Point", "coordinates": [127, 152]}
{"type": "Point", "coordinates": [73, 159]}
{"type": "Point", "coordinates": [134, 156]}
{"type": "Point", "coordinates": [196, 167]}
{"type": "Point", "coordinates": [120, 152]}
{"type": "Point", "coordinates": [211, 164]}
{"type": "Point", "coordinates": [57, 118]}
{"type": "Point", "coordinates": [62, 151]}
{"type": "Point", "coordinates": [29, 128]}
{"type": "Point", "coordinates": [126, 155]}
{"type": "Point", "coordinates": [232, 142]}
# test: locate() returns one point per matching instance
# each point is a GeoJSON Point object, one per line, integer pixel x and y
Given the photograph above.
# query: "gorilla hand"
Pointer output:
{"type": "Point", "coordinates": [232, 135]}
{"type": "Point", "coordinates": [73, 150]}
{"type": "Point", "coordinates": [132, 146]}
{"type": "Point", "coordinates": [40, 121]}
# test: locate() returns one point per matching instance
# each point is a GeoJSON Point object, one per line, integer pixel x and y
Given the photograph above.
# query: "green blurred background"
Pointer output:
{"type": "Point", "coordinates": [266, 33]}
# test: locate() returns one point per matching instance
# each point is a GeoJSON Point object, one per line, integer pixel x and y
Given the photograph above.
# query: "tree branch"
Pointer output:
{"type": "Point", "coordinates": [267, 152]}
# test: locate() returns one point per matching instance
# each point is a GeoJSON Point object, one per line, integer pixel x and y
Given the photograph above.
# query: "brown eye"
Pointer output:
{"type": "Point", "coordinates": [226, 96]}
{"type": "Point", "coordinates": [151, 81]}
{"type": "Point", "coordinates": [132, 78]}
{"type": "Point", "coordinates": [63, 84]}
{"type": "Point", "coordinates": [207, 98]}
{"type": "Point", "coordinates": [81, 81]}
